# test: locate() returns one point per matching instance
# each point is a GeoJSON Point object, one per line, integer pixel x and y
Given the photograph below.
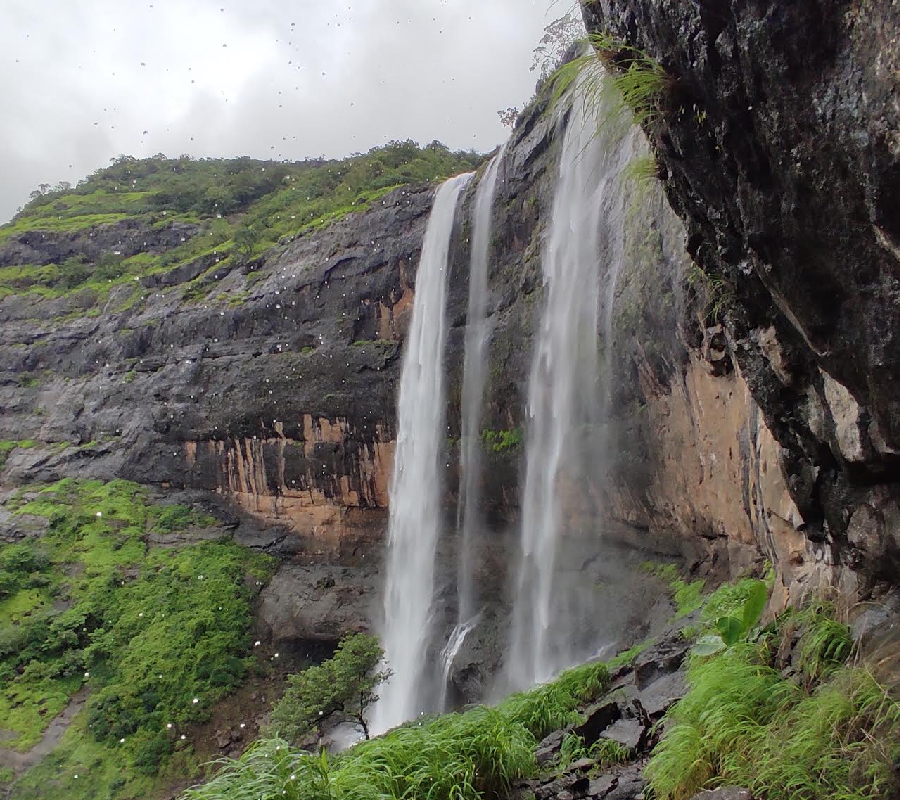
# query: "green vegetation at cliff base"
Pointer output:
{"type": "Point", "coordinates": [151, 637]}
{"type": "Point", "coordinates": [790, 710]}
{"type": "Point", "coordinates": [453, 757]}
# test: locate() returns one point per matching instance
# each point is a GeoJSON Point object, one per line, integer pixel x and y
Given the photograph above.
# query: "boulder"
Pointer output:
{"type": "Point", "coordinates": [660, 659]}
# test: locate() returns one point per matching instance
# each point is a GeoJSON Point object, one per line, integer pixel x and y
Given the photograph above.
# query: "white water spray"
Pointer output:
{"type": "Point", "coordinates": [416, 484]}
{"type": "Point", "coordinates": [563, 387]}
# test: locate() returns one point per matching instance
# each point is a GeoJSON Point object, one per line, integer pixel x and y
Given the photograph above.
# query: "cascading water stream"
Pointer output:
{"type": "Point", "coordinates": [415, 514]}
{"type": "Point", "coordinates": [564, 383]}
{"type": "Point", "coordinates": [474, 373]}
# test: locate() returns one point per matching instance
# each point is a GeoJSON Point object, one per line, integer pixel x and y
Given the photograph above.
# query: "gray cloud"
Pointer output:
{"type": "Point", "coordinates": [83, 82]}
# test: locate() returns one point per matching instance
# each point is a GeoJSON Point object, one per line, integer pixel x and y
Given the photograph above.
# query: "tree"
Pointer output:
{"type": "Point", "coordinates": [344, 684]}
{"type": "Point", "coordinates": [508, 117]}
{"type": "Point", "coordinates": [558, 37]}
{"type": "Point", "coordinates": [245, 240]}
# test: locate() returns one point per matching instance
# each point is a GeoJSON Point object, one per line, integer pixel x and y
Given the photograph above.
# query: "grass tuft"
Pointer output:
{"type": "Point", "coordinates": [641, 82]}
{"type": "Point", "coordinates": [629, 655]}
{"type": "Point", "coordinates": [825, 644]}
{"type": "Point", "coordinates": [642, 170]}
{"type": "Point", "coordinates": [452, 757]}
{"type": "Point", "coordinates": [605, 752]}
{"type": "Point", "coordinates": [835, 734]}
{"type": "Point", "coordinates": [554, 705]}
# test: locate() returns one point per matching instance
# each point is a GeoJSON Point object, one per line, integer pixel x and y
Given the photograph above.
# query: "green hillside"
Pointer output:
{"type": "Point", "coordinates": [239, 208]}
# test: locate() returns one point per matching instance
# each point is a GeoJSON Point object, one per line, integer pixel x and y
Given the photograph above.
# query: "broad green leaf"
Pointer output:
{"type": "Point", "coordinates": [754, 605]}
{"type": "Point", "coordinates": [708, 645]}
{"type": "Point", "coordinates": [730, 629]}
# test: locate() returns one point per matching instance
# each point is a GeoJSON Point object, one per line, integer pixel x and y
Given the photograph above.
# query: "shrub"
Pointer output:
{"type": "Point", "coordinates": [152, 628]}
{"type": "Point", "coordinates": [344, 684]}
{"type": "Point", "coordinates": [745, 607]}
{"type": "Point", "coordinates": [151, 753]}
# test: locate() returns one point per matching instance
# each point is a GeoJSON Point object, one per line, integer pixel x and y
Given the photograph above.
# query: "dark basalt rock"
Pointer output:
{"type": "Point", "coordinates": [777, 146]}
{"type": "Point", "coordinates": [659, 659]}
{"type": "Point", "coordinates": [548, 748]}
{"type": "Point", "coordinates": [629, 733]}
{"type": "Point", "coordinates": [659, 696]}
{"type": "Point", "coordinates": [128, 237]}
{"type": "Point", "coordinates": [597, 719]}
{"type": "Point", "coordinates": [627, 715]}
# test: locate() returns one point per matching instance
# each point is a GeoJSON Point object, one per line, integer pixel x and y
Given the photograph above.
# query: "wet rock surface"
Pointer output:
{"type": "Point", "coordinates": [775, 142]}
{"type": "Point", "coordinates": [283, 401]}
{"type": "Point", "coordinates": [129, 237]}
{"type": "Point", "coordinates": [275, 385]}
{"type": "Point", "coordinates": [317, 603]}
{"type": "Point", "coordinates": [628, 714]}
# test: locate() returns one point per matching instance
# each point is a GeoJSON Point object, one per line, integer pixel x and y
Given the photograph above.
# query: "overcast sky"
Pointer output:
{"type": "Point", "coordinates": [82, 81]}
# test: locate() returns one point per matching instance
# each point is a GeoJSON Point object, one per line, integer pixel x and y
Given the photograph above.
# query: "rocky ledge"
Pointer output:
{"type": "Point", "coordinates": [628, 717]}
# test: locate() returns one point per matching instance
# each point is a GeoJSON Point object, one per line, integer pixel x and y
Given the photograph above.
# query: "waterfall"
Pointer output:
{"type": "Point", "coordinates": [415, 512]}
{"type": "Point", "coordinates": [474, 372]}
{"type": "Point", "coordinates": [564, 392]}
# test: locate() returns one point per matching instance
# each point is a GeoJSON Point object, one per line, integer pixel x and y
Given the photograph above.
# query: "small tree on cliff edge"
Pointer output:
{"type": "Point", "coordinates": [344, 684]}
{"type": "Point", "coordinates": [558, 37]}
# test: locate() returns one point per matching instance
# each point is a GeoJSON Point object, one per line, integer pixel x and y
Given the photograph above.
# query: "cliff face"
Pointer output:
{"type": "Point", "coordinates": [751, 409]}
{"type": "Point", "coordinates": [277, 387]}
{"type": "Point", "coordinates": [276, 390]}
{"type": "Point", "coordinates": [778, 140]}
